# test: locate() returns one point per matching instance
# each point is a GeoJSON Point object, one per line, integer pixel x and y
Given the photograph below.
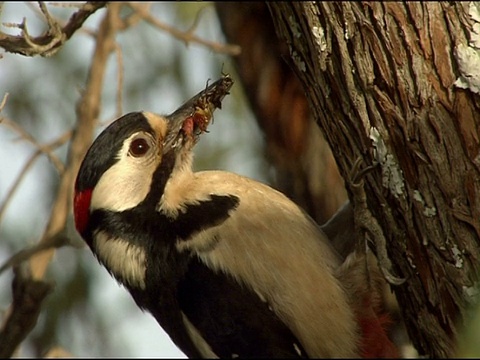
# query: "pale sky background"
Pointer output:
{"type": "Point", "coordinates": [234, 141]}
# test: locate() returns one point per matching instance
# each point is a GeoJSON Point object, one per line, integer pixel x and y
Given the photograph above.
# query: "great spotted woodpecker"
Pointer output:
{"type": "Point", "coordinates": [228, 266]}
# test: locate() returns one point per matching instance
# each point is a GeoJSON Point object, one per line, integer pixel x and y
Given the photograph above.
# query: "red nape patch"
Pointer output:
{"type": "Point", "coordinates": [81, 209]}
{"type": "Point", "coordinates": [375, 341]}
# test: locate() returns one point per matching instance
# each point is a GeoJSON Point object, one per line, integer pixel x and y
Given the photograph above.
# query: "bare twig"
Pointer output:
{"type": "Point", "coordinates": [4, 101]}
{"type": "Point", "coordinates": [51, 41]}
{"type": "Point", "coordinates": [196, 21]}
{"type": "Point", "coordinates": [134, 18]}
{"type": "Point", "coordinates": [46, 149]}
{"type": "Point", "coordinates": [26, 253]}
{"type": "Point", "coordinates": [187, 37]}
{"type": "Point", "coordinates": [118, 52]}
{"type": "Point", "coordinates": [52, 23]}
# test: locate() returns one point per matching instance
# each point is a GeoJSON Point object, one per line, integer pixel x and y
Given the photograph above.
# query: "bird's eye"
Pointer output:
{"type": "Point", "coordinates": [139, 147]}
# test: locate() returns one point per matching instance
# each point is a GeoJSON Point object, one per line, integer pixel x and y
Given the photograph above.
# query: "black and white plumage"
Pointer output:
{"type": "Point", "coordinates": [228, 266]}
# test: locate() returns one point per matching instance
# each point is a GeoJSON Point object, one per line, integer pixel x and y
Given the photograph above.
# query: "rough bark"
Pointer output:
{"type": "Point", "coordinates": [379, 78]}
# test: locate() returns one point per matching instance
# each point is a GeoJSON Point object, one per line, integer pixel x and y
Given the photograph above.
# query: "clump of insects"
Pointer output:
{"type": "Point", "coordinates": [205, 103]}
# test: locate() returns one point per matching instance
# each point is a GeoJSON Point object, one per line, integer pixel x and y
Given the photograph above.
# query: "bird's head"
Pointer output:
{"type": "Point", "coordinates": [137, 154]}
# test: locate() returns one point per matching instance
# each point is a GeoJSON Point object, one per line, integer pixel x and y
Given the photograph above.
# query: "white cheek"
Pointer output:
{"type": "Point", "coordinates": [124, 260]}
{"type": "Point", "coordinates": [122, 186]}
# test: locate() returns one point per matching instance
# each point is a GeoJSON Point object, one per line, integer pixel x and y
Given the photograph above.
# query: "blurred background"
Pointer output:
{"type": "Point", "coordinates": [264, 130]}
{"type": "Point", "coordinates": [89, 314]}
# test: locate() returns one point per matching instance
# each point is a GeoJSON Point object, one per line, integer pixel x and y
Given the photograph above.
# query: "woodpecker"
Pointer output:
{"type": "Point", "coordinates": [228, 266]}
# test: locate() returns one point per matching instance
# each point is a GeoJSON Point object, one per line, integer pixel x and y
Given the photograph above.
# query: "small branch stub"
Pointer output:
{"type": "Point", "coordinates": [367, 225]}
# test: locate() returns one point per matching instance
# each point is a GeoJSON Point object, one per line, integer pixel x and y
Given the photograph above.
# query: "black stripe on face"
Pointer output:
{"type": "Point", "coordinates": [232, 319]}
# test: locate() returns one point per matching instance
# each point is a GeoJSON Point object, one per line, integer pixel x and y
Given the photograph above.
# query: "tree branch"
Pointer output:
{"type": "Point", "coordinates": [43, 149]}
{"type": "Point", "coordinates": [46, 149]}
{"type": "Point", "coordinates": [28, 296]}
{"type": "Point", "coordinates": [54, 38]}
{"type": "Point", "coordinates": [88, 109]}
{"type": "Point", "coordinates": [185, 36]}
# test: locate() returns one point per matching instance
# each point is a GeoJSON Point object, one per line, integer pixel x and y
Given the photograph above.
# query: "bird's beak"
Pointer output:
{"type": "Point", "coordinates": [192, 118]}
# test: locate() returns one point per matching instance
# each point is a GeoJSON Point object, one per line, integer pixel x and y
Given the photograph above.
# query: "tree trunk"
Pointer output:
{"type": "Point", "coordinates": [305, 169]}
{"type": "Point", "coordinates": [380, 78]}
